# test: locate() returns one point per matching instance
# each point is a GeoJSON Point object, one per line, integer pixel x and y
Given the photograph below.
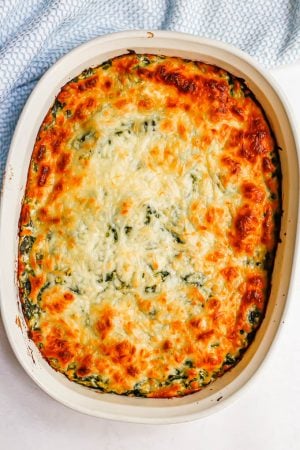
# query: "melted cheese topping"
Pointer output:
{"type": "Point", "coordinates": [149, 226]}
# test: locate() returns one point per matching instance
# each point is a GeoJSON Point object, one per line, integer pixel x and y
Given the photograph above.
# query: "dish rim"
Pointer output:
{"type": "Point", "coordinates": [150, 36]}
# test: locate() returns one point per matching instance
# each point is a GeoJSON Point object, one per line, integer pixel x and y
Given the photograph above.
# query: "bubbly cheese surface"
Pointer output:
{"type": "Point", "coordinates": [149, 226]}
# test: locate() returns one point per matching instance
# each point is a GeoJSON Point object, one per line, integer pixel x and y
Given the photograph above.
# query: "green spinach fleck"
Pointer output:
{"type": "Point", "coordinates": [196, 279]}
{"type": "Point", "coordinates": [118, 283]}
{"type": "Point", "coordinates": [144, 60]}
{"type": "Point", "coordinates": [26, 287]}
{"type": "Point", "coordinates": [178, 375]}
{"type": "Point", "coordinates": [43, 288]}
{"type": "Point", "coordinates": [164, 274]}
{"type": "Point", "coordinates": [254, 316]}
{"type": "Point", "coordinates": [229, 360]}
{"type": "Point", "coordinates": [31, 309]}
{"type": "Point", "coordinates": [189, 363]}
{"type": "Point", "coordinates": [57, 106]}
{"type": "Point", "coordinates": [150, 289]}
{"type": "Point", "coordinates": [87, 72]}
{"type": "Point", "coordinates": [112, 231]}
{"type": "Point", "coordinates": [203, 374]}
{"type": "Point", "coordinates": [150, 212]}
{"type": "Point", "coordinates": [127, 229]}
{"type": "Point", "coordinates": [26, 244]}
{"type": "Point", "coordinates": [135, 392]}
{"type": "Point", "coordinates": [106, 65]}
{"type": "Point", "coordinates": [176, 237]}
{"type": "Point", "coordinates": [76, 290]}
{"type": "Point", "coordinates": [87, 136]}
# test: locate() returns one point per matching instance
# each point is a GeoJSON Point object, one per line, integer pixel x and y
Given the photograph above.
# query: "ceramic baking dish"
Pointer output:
{"type": "Point", "coordinates": [91, 54]}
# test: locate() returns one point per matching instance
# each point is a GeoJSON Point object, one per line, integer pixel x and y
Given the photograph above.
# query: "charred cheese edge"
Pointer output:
{"type": "Point", "coordinates": [149, 226]}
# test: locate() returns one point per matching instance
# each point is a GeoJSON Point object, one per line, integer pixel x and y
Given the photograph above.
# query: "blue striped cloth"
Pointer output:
{"type": "Point", "coordinates": [35, 33]}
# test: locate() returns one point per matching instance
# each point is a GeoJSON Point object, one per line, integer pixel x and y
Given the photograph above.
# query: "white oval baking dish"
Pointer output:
{"type": "Point", "coordinates": [91, 54]}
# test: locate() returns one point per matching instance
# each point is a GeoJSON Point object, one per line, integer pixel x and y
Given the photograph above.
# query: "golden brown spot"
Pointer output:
{"type": "Point", "coordinates": [256, 281]}
{"type": "Point", "coordinates": [57, 189]}
{"type": "Point", "coordinates": [128, 327]}
{"type": "Point", "coordinates": [43, 214]}
{"type": "Point", "coordinates": [166, 125]}
{"type": "Point", "coordinates": [213, 304]}
{"type": "Point", "coordinates": [215, 89]}
{"type": "Point", "coordinates": [204, 335]}
{"type": "Point", "coordinates": [63, 161]}
{"type": "Point", "coordinates": [253, 192]}
{"type": "Point", "coordinates": [253, 296]}
{"type": "Point", "coordinates": [80, 113]}
{"type": "Point", "coordinates": [44, 173]}
{"type": "Point", "coordinates": [255, 141]}
{"type": "Point", "coordinates": [237, 112]}
{"type": "Point", "coordinates": [90, 103]}
{"type": "Point", "coordinates": [144, 305]}
{"type": "Point", "coordinates": [218, 113]}
{"type": "Point", "coordinates": [132, 371]}
{"type": "Point", "coordinates": [105, 323]}
{"type": "Point", "coordinates": [83, 371]}
{"type": "Point", "coordinates": [145, 103]}
{"type": "Point", "coordinates": [167, 392]}
{"type": "Point", "coordinates": [25, 215]}
{"type": "Point", "coordinates": [123, 352]}
{"type": "Point", "coordinates": [233, 165]}
{"type": "Point", "coordinates": [235, 139]}
{"type": "Point", "coordinates": [167, 345]}
{"type": "Point", "coordinates": [210, 215]}
{"type": "Point", "coordinates": [107, 84]}
{"type": "Point", "coordinates": [35, 335]}
{"type": "Point", "coordinates": [125, 64]}
{"type": "Point", "coordinates": [182, 83]}
{"type": "Point", "coordinates": [36, 283]}
{"type": "Point", "coordinates": [118, 378]}
{"type": "Point", "coordinates": [267, 165]}
{"type": "Point", "coordinates": [87, 84]}
{"type": "Point", "coordinates": [178, 325]}
{"type": "Point", "coordinates": [58, 347]}
{"type": "Point", "coordinates": [41, 152]}
{"type": "Point", "coordinates": [245, 224]}
{"type": "Point", "coordinates": [267, 237]}
{"type": "Point", "coordinates": [229, 273]}
{"type": "Point", "coordinates": [120, 103]}
{"type": "Point", "coordinates": [181, 130]}
{"type": "Point", "coordinates": [55, 301]}
{"type": "Point", "coordinates": [171, 102]}
{"type": "Point", "coordinates": [85, 366]}
{"type": "Point", "coordinates": [58, 136]}
{"type": "Point", "coordinates": [195, 295]}
{"type": "Point", "coordinates": [196, 322]}
{"type": "Point", "coordinates": [215, 256]}
{"type": "Point", "coordinates": [125, 206]}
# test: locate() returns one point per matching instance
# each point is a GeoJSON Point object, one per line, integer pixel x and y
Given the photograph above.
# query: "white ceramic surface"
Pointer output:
{"type": "Point", "coordinates": [266, 91]}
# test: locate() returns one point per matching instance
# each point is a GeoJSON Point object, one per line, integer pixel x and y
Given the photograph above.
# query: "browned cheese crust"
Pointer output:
{"type": "Point", "coordinates": [149, 226]}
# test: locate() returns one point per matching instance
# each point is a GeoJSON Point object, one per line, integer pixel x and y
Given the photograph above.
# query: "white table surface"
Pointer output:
{"type": "Point", "coordinates": [265, 417]}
